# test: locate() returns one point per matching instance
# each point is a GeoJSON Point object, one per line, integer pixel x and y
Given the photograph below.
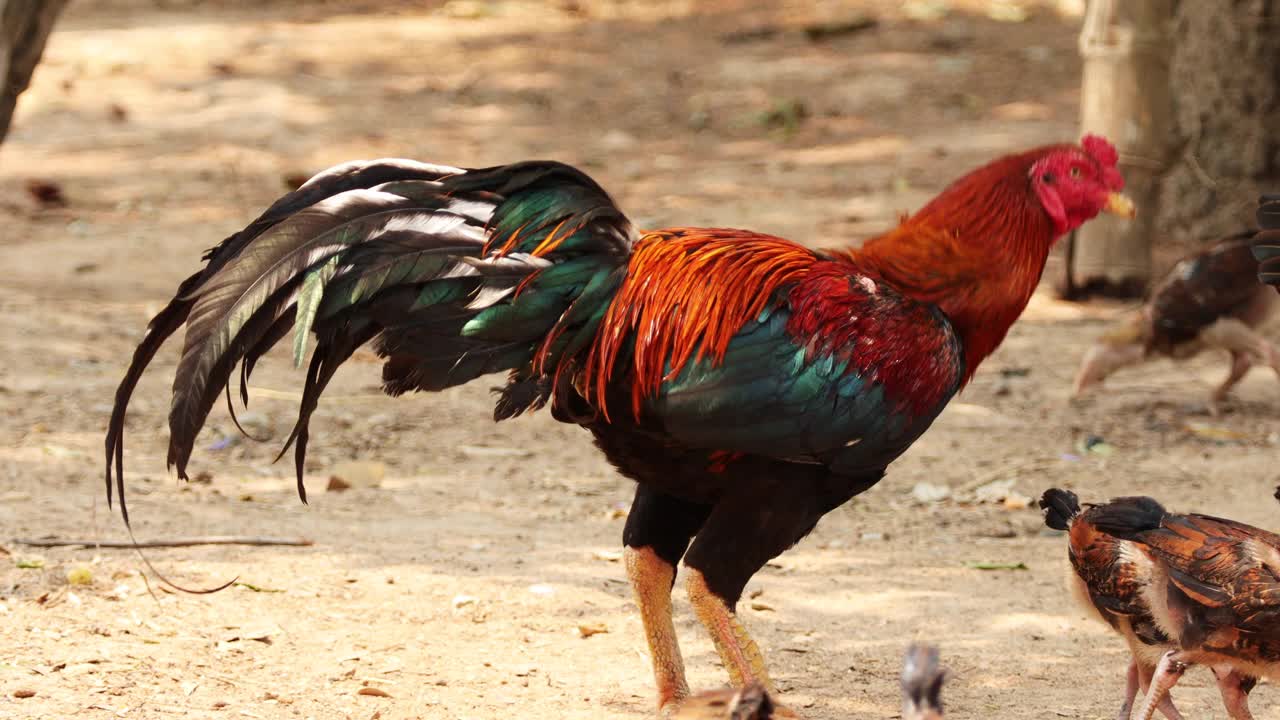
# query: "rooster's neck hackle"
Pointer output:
{"type": "Point", "coordinates": [977, 251]}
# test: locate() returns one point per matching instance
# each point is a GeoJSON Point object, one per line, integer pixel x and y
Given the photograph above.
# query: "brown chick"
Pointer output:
{"type": "Point", "coordinates": [1108, 577]}
{"type": "Point", "coordinates": [1214, 588]}
{"type": "Point", "coordinates": [1210, 299]}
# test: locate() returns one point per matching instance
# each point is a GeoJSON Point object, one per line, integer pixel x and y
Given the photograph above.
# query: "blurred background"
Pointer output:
{"type": "Point", "coordinates": [461, 579]}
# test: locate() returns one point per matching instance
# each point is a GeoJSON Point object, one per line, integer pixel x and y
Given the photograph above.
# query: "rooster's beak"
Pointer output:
{"type": "Point", "coordinates": [1118, 204]}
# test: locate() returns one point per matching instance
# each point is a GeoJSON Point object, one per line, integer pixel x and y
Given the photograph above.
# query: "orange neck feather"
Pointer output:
{"type": "Point", "coordinates": [688, 292]}
{"type": "Point", "coordinates": [977, 251]}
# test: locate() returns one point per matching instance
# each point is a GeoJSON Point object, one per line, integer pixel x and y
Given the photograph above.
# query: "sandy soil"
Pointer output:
{"type": "Point", "coordinates": [458, 584]}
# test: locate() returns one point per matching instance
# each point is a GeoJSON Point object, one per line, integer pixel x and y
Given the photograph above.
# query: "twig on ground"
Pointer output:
{"type": "Point", "coordinates": [167, 543]}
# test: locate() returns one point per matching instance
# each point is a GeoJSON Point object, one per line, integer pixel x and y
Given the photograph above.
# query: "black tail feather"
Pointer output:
{"type": "Point", "coordinates": [386, 249]}
{"type": "Point", "coordinates": [326, 184]}
{"type": "Point", "coordinates": [1128, 517]}
{"type": "Point", "coordinates": [161, 327]}
{"type": "Point", "coordinates": [1266, 244]}
{"type": "Point", "coordinates": [1060, 508]}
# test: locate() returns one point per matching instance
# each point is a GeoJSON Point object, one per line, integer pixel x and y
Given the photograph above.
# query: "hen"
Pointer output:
{"type": "Point", "coordinates": [748, 384]}
{"type": "Point", "coordinates": [1207, 300]}
{"type": "Point", "coordinates": [1109, 577]}
{"type": "Point", "coordinates": [1211, 586]}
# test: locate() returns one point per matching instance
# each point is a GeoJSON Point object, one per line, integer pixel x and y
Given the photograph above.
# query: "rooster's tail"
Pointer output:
{"type": "Point", "coordinates": [453, 273]}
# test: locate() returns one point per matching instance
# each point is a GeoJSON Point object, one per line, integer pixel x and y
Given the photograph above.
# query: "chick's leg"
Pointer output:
{"type": "Point", "coordinates": [1167, 674]}
{"type": "Point", "coordinates": [656, 535]}
{"type": "Point", "coordinates": [1235, 692]}
{"type": "Point", "coordinates": [1240, 364]}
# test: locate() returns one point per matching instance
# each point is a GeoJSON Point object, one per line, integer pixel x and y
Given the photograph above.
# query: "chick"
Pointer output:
{"type": "Point", "coordinates": [922, 680]}
{"type": "Point", "coordinates": [1210, 299]}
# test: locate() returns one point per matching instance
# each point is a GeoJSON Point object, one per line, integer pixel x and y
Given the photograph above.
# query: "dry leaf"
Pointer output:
{"type": "Point", "coordinates": [586, 630]}
{"type": "Point", "coordinates": [373, 692]}
{"type": "Point", "coordinates": [46, 193]}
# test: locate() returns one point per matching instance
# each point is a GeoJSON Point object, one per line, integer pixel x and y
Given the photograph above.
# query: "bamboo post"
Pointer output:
{"type": "Point", "coordinates": [24, 27]}
{"type": "Point", "coordinates": [1125, 96]}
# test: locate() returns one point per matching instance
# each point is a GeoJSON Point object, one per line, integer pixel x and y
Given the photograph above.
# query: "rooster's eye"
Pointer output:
{"type": "Point", "coordinates": [1075, 171]}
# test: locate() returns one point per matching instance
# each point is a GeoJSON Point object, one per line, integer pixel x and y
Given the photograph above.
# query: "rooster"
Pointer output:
{"type": "Point", "coordinates": [1207, 300]}
{"type": "Point", "coordinates": [1210, 586]}
{"type": "Point", "coordinates": [748, 384]}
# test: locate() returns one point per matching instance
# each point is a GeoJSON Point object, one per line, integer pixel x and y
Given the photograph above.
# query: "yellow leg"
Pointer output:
{"type": "Point", "coordinates": [740, 654]}
{"type": "Point", "coordinates": [651, 579]}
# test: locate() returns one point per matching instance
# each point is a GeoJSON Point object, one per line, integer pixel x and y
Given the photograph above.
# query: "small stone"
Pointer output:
{"type": "Point", "coordinates": [926, 493]}
{"type": "Point", "coordinates": [24, 693]}
{"type": "Point", "coordinates": [359, 473]}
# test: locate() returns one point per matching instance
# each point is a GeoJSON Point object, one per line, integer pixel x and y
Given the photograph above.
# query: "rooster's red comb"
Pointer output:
{"type": "Point", "coordinates": [1104, 153]}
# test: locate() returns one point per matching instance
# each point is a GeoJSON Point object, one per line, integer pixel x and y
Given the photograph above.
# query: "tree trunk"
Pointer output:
{"type": "Point", "coordinates": [24, 27]}
{"type": "Point", "coordinates": [1226, 78]}
{"type": "Point", "coordinates": [1125, 96]}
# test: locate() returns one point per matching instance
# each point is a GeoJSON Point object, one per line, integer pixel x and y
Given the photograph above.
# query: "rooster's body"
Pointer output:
{"type": "Point", "coordinates": [747, 383]}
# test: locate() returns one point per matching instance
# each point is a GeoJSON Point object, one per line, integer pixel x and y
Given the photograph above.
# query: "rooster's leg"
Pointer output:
{"type": "Point", "coordinates": [656, 535]}
{"type": "Point", "coordinates": [740, 654]}
{"type": "Point", "coordinates": [745, 531]}
{"type": "Point", "coordinates": [1167, 674]}
{"type": "Point", "coordinates": [1235, 692]}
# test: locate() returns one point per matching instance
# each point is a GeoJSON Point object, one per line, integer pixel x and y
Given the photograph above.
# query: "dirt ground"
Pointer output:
{"type": "Point", "coordinates": [455, 575]}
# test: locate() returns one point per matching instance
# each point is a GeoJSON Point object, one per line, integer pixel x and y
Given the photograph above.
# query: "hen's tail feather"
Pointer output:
{"type": "Point", "coordinates": [1060, 508]}
{"type": "Point", "coordinates": [442, 266]}
{"type": "Point", "coordinates": [1128, 518]}
{"type": "Point", "coordinates": [1266, 244]}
